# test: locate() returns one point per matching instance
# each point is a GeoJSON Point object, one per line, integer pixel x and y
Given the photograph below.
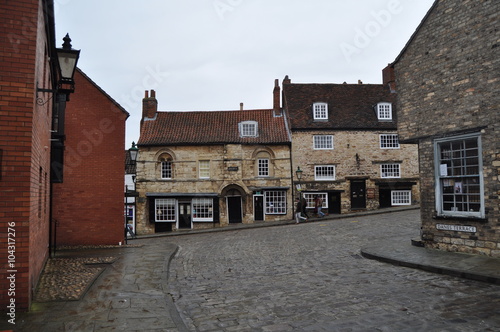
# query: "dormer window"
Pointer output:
{"type": "Point", "coordinates": [248, 128]}
{"type": "Point", "coordinates": [320, 111]}
{"type": "Point", "coordinates": [384, 111]}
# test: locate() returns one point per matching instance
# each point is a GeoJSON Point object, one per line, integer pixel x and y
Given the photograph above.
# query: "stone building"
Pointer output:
{"type": "Point", "coordinates": [447, 78]}
{"type": "Point", "coordinates": [200, 170]}
{"type": "Point", "coordinates": [344, 140]}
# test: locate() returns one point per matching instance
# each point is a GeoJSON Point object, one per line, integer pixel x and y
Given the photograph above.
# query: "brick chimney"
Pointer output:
{"type": "Point", "coordinates": [276, 98]}
{"type": "Point", "coordinates": [149, 105]}
{"type": "Point", "coordinates": [287, 80]}
{"type": "Point", "coordinates": [389, 78]}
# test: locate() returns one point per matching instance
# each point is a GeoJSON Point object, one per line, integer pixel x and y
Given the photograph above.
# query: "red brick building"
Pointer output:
{"type": "Point", "coordinates": [88, 204]}
{"type": "Point", "coordinates": [27, 42]}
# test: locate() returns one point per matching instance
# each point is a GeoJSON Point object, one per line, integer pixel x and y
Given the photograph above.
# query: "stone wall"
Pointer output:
{"type": "Point", "coordinates": [447, 81]}
{"type": "Point", "coordinates": [356, 154]}
{"type": "Point", "coordinates": [230, 164]}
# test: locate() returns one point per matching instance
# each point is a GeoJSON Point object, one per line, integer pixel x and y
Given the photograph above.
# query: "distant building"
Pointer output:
{"type": "Point", "coordinates": [200, 170]}
{"type": "Point", "coordinates": [345, 141]}
{"type": "Point", "coordinates": [88, 203]}
{"type": "Point", "coordinates": [447, 78]}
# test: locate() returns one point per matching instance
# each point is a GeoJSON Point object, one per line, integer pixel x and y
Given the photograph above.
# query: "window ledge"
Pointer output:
{"type": "Point", "coordinates": [461, 219]}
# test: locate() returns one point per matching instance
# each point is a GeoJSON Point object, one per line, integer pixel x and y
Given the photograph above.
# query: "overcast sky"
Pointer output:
{"type": "Point", "coordinates": [214, 54]}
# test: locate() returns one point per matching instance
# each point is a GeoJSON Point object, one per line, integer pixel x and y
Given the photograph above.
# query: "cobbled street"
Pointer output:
{"type": "Point", "coordinates": [311, 277]}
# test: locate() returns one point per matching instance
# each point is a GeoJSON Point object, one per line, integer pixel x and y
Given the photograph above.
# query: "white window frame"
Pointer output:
{"type": "Point", "coordinates": [459, 183]}
{"type": "Point", "coordinates": [384, 111]}
{"type": "Point", "coordinates": [204, 169]}
{"type": "Point", "coordinates": [323, 142]}
{"type": "Point", "coordinates": [263, 167]}
{"type": "Point", "coordinates": [165, 210]}
{"type": "Point", "coordinates": [248, 128]}
{"type": "Point", "coordinates": [389, 141]}
{"type": "Point", "coordinates": [390, 171]}
{"type": "Point", "coordinates": [202, 209]}
{"type": "Point", "coordinates": [320, 111]}
{"type": "Point", "coordinates": [309, 197]}
{"type": "Point", "coordinates": [166, 169]}
{"type": "Point", "coordinates": [275, 201]}
{"type": "Point", "coordinates": [400, 197]}
{"type": "Point", "coordinates": [320, 177]}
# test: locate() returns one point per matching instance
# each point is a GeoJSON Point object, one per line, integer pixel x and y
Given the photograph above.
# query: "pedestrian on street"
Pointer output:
{"type": "Point", "coordinates": [298, 211]}
{"type": "Point", "coordinates": [318, 205]}
{"type": "Point", "coordinates": [303, 203]}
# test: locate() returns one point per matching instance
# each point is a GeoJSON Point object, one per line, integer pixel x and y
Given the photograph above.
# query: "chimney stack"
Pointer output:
{"type": "Point", "coordinates": [241, 106]}
{"type": "Point", "coordinates": [149, 105]}
{"type": "Point", "coordinates": [389, 77]}
{"type": "Point", "coordinates": [276, 98]}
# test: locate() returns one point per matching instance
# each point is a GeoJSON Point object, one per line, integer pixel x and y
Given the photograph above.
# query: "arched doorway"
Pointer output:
{"type": "Point", "coordinates": [235, 198]}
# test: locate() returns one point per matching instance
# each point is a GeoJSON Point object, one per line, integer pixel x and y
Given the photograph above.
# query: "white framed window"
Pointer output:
{"type": "Point", "coordinates": [320, 111]}
{"type": "Point", "coordinates": [390, 171]}
{"type": "Point", "coordinates": [401, 197]}
{"type": "Point", "coordinates": [459, 176]}
{"type": "Point", "coordinates": [309, 197]}
{"type": "Point", "coordinates": [389, 141]}
{"type": "Point", "coordinates": [248, 128]}
{"type": "Point", "coordinates": [203, 209]}
{"type": "Point", "coordinates": [275, 201]}
{"type": "Point", "coordinates": [204, 169]}
{"type": "Point", "coordinates": [323, 142]}
{"type": "Point", "coordinates": [384, 111]}
{"type": "Point", "coordinates": [166, 169]}
{"type": "Point", "coordinates": [263, 167]}
{"type": "Point", "coordinates": [165, 209]}
{"type": "Point", "coordinates": [324, 173]}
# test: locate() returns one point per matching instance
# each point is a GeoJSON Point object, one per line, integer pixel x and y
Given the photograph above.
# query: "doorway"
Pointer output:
{"type": "Point", "coordinates": [358, 194]}
{"type": "Point", "coordinates": [258, 207]}
{"type": "Point", "coordinates": [234, 209]}
{"type": "Point", "coordinates": [185, 216]}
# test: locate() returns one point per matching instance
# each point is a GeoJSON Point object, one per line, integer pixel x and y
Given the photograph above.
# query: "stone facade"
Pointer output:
{"type": "Point", "coordinates": [355, 160]}
{"type": "Point", "coordinates": [447, 80]}
{"type": "Point", "coordinates": [233, 172]}
{"type": "Point", "coordinates": [357, 156]}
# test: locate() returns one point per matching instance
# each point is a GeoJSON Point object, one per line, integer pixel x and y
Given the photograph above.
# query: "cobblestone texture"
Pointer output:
{"type": "Point", "coordinates": [311, 277]}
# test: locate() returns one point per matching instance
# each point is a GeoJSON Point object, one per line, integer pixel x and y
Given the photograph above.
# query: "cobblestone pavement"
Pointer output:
{"type": "Point", "coordinates": [311, 277]}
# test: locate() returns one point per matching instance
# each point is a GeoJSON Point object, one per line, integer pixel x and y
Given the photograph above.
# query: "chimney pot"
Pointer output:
{"type": "Point", "coordinates": [241, 106]}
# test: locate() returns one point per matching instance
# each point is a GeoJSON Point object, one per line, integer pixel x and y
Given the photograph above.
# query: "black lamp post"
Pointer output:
{"type": "Point", "coordinates": [298, 172]}
{"type": "Point", "coordinates": [132, 152]}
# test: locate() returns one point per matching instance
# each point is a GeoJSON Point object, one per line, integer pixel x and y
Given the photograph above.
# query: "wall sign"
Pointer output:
{"type": "Point", "coordinates": [456, 228]}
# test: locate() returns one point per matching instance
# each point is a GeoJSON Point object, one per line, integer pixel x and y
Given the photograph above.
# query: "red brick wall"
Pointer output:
{"type": "Point", "coordinates": [88, 205]}
{"type": "Point", "coordinates": [24, 155]}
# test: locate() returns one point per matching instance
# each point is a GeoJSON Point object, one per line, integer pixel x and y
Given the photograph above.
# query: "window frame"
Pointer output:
{"type": "Point", "coordinates": [466, 189]}
{"type": "Point", "coordinates": [275, 197]}
{"type": "Point", "coordinates": [263, 170]}
{"type": "Point", "coordinates": [389, 143]}
{"type": "Point", "coordinates": [391, 168]}
{"type": "Point", "coordinates": [309, 197]}
{"type": "Point", "coordinates": [323, 178]}
{"type": "Point", "coordinates": [204, 169]}
{"type": "Point", "coordinates": [171, 215]}
{"type": "Point", "coordinates": [248, 128]}
{"type": "Point", "coordinates": [384, 111]}
{"type": "Point", "coordinates": [323, 142]}
{"type": "Point", "coordinates": [401, 195]}
{"type": "Point", "coordinates": [204, 204]}
{"type": "Point", "coordinates": [320, 111]}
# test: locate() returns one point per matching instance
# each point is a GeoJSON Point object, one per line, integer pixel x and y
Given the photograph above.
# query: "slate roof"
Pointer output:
{"type": "Point", "coordinates": [350, 106]}
{"type": "Point", "coordinates": [212, 127]}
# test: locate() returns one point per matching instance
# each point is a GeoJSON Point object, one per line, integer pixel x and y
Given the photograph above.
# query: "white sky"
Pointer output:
{"type": "Point", "coordinates": [214, 54]}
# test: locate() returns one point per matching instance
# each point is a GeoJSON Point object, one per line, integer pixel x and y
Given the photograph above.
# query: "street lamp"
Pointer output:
{"type": "Point", "coordinates": [298, 172]}
{"type": "Point", "coordinates": [133, 152]}
{"type": "Point", "coordinates": [67, 58]}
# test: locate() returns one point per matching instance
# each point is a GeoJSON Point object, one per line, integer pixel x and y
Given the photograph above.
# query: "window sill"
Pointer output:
{"type": "Point", "coordinates": [461, 218]}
